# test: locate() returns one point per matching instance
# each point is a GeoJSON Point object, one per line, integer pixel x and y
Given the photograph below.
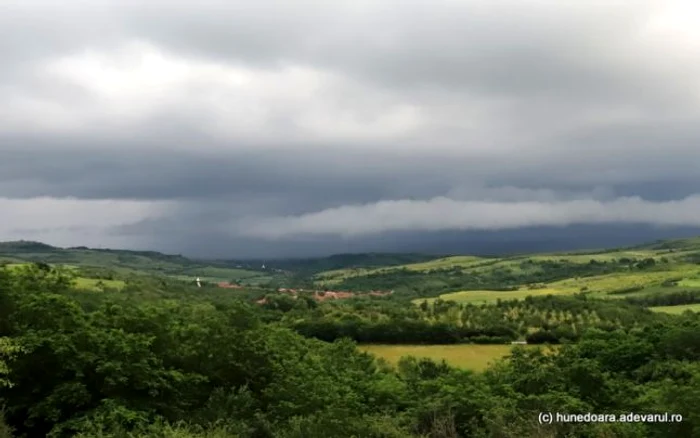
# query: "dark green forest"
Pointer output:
{"type": "Point", "coordinates": [165, 359]}
{"type": "Point", "coordinates": [538, 320]}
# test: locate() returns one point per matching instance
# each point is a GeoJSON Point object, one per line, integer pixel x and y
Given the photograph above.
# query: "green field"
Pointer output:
{"type": "Point", "coordinates": [669, 265]}
{"type": "Point", "coordinates": [690, 282]}
{"type": "Point", "coordinates": [490, 296]}
{"type": "Point", "coordinates": [337, 275]}
{"type": "Point", "coordinates": [467, 356]}
{"type": "Point", "coordinates": [677, 310]}
{"type": "Point", "coordinates": [94, 284]}
{"type": "Point", "coordinates": [480, 264]}
{"type": "Point", "coordinates": [600, 286]}
{"type": "Point", "coordinates": [128, 263]}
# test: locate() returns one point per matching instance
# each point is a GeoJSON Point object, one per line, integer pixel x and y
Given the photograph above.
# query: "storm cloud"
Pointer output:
{"type": "Point", "coordinates": [280, 128]}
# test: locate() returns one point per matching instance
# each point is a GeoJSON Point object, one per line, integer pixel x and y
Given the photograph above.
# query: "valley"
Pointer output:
{"type": "Point", "coordinates": [370, 331]}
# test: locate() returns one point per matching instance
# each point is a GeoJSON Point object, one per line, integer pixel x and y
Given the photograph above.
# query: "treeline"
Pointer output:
{"type": "Point", "coordinates": [164, 360]}
{"type": "Point", "coordinates": [671, 298]}
{"type": "Point", "coordinates": [309, 266]}
{"type": "Point", "coordinates": [435, 282]}
{"type": "Point", "coordinates": [100, 273]}
{"type": "Point", "coordinates": [549, 319]}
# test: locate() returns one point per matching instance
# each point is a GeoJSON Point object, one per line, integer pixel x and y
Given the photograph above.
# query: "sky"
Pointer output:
{"type": "Point", "coordinates": [295, 128]}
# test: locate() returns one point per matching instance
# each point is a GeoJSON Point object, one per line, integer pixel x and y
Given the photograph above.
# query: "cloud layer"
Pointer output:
{"type": "Point", "coordinates": [272, 126]}
{"type": "Point", "coordinates": [441, 213]}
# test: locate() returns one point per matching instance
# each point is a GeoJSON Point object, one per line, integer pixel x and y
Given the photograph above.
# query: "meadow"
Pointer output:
{"type": "Point", "coordinates": [485, 264]}
{"type": "Point", "coordinates": [466, 356]}
{"type": "Point", "coordinates": [125, 264]}
{"type": "Point", "coordinates": [97, 284]}
{"type": "Point", "coordinates": [490, 296]}
{"type": "Point", "coordinates": [610, 286]}
{"type": "Point", "coordinates": [677, 310]}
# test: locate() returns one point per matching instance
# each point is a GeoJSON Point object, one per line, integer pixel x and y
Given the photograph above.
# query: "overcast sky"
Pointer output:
{"type": "Point", "coordinates": [284, 127]}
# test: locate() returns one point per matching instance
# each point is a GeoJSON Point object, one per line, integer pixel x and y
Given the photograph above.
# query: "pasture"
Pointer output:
{"type": "Point", "coordinates": [489, 296]}
{"type": "Point", "coordinates": [690, 282]}
{"type": "Point", "coordinates": [95, 284]}
{"type": "Point", "coordinates": [600, 286]}
{"type": "Point", "coordinates": [468, 356]}
{"type": "Point", "coordinates": [677, 310]}
{"type": "Point", "coordinates": [474, 264]}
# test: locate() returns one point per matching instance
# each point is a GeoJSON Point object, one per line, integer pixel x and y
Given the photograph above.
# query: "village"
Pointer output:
{"type": "Point", "coordinates": [318, 295]}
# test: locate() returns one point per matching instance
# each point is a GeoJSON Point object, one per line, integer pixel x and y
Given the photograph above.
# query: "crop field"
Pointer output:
{"type": "Point", "coordinates": [467, 356]}
{"type": "Point", "coordinates": [600, 286]}
{"type": "Point", "coordinates": [616, 282]}
{"type": "Point", "coordinates": [677, 310]}
{"type": "Point", "coordinates": [490, 296]}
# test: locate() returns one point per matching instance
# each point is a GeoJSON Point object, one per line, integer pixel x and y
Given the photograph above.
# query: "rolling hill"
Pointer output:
{"type": "Point", "coordinates": [662, 267]}
{"type": "Point", "coordinates": [112, 264]}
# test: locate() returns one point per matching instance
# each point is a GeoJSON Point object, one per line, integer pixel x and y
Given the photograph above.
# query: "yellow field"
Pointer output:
{"type": "Point", "coordinates": [468, 356]}
{"type": "Point", "coordinates": [677, 310]}
{"type": "Point", "coordinates": [490, 296]}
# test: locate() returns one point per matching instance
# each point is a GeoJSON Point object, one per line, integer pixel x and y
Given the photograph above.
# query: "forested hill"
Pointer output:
{"type": "Point", "coordinates": [123, 264]}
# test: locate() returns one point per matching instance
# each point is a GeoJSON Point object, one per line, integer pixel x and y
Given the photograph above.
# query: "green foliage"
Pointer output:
{"type": "Point", "coordinates": [121, 265]}
{"type": "Point", "coordinates": [503, 274]}
{"type": "Point", "coordinates": [166, 359]}
{"type": "Point", "coordinates": [549, 319]}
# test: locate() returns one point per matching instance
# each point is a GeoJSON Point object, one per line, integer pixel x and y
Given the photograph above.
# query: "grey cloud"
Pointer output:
{"type": "Point", "coordinates": [492, 108]}
{"type": "Point", "coordinates": [446, 214]}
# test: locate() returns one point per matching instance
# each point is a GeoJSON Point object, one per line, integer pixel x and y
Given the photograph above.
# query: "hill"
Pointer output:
{"type": "Point", "coordinates": [112, 264]}
{"type": "Point", "coordinates": [662, 267]}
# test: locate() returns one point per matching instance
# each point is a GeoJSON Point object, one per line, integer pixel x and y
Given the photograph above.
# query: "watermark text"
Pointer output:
{"type": "Point", "coordinates": [589, 417]}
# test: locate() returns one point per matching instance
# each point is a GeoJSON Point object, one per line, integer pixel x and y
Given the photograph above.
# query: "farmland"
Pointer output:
{"type": "Point", "coordinates": [491, 296]}
{"type": "Point", "coordinates": [676, 310]}
{"type": "Point", "coordinates": [483, 264]}
{"type": "Point", "coordinates": [97, 284]}
{"type": "Point", "coordinates": [612, 286]}
{"type": "Point", "coordinates": [106, 264]}
{"type": "Point", "coordinates": [466, 356]}
{"type": "Point", "coordinates": [151, 354]}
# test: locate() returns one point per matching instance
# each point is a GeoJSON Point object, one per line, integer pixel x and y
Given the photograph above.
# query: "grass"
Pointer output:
{"type": "Point", "coordinates": [93, 284]}
{"type": "Point", "coordinates": [467, 356]}
{"type": "Point", "coordinates": [224, 273]}
{"type": "Point", "coordinates": [677, 310]}
{"type": "Point", "coordinates": [690, 282]}
{"type": "Point", "coordinates": [128, 262]}
{"type": "Point", "coordinates": [12, 266]}
{"type": "Point", "coordinates": [600, 286]}
{"type": "Point", "coordinates": [490, 296]}
{"type": "Point", "coordinates": [482, 264]}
